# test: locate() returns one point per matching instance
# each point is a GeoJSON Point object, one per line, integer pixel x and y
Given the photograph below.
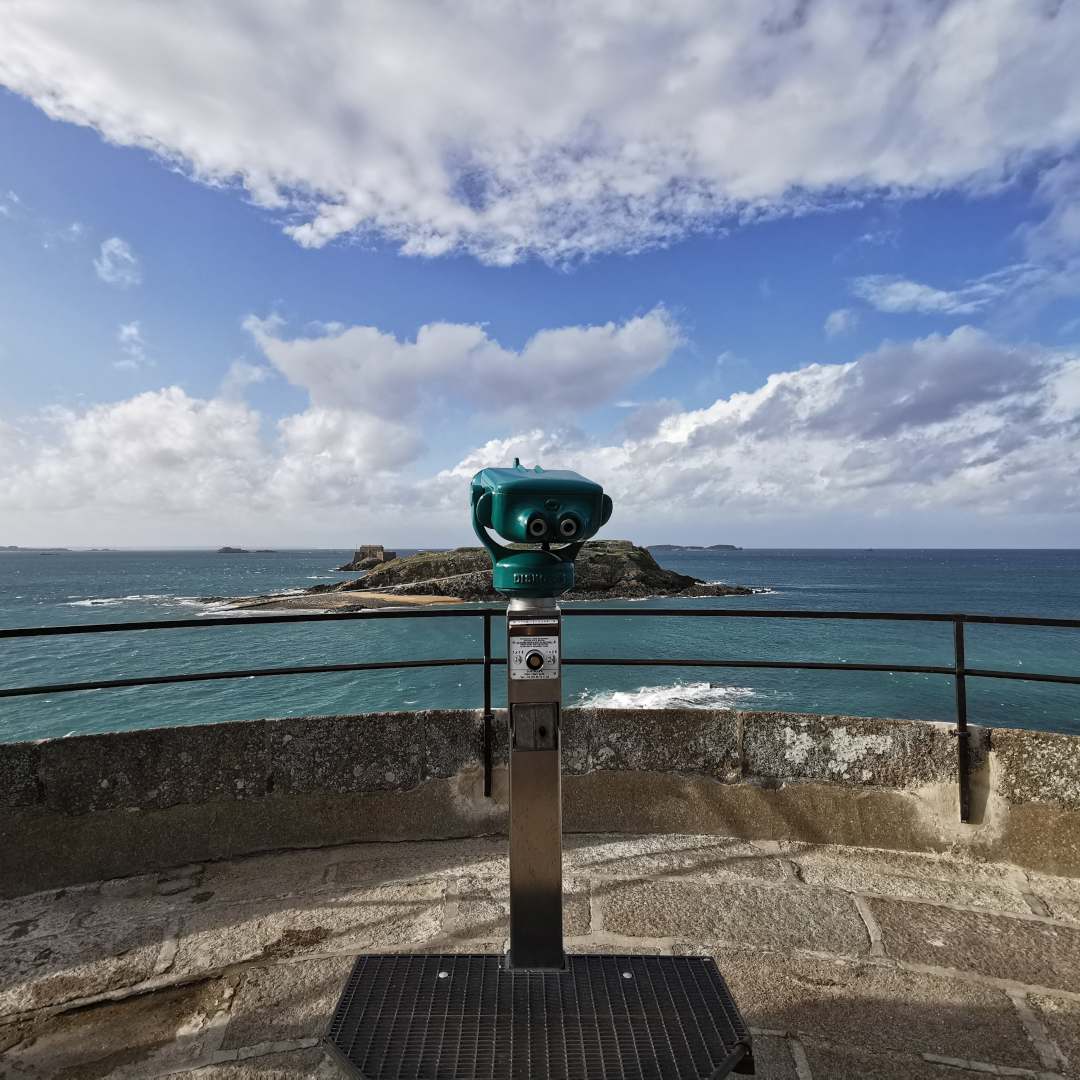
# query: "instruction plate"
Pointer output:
{"type": "Point", "coordinates": [526, 646]}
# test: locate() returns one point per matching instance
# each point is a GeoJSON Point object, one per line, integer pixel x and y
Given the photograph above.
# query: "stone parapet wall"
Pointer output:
{"type": "Point", "coordinates": [98, 806]}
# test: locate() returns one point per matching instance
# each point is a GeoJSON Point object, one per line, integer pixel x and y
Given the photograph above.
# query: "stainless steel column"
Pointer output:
{"type": "Point", "coordinates": [534, 694]}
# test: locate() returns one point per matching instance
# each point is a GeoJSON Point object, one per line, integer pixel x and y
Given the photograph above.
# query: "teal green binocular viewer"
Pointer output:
{"type": "Point", "coordinates": [539, 507]}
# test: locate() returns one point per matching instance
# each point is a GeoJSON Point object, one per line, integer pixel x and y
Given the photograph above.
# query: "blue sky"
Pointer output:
{"type": "Point", "coordinates": [210, 300]}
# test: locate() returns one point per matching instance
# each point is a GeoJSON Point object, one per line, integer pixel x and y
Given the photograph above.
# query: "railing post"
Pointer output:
{"type": "Point", "coordinates": [488, 717]}
{"type": "Point", "coordinates": [962, 734]}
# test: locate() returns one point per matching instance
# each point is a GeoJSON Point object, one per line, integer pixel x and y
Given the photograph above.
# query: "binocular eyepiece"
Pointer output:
{"type": "Point", "coordinates": [536, 506]}
{"type": "Point", "coordinates": [541, 527]}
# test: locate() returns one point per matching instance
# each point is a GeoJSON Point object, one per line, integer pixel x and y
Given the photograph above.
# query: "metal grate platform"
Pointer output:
{"type": "Point", "coordinates": [603, 1018]}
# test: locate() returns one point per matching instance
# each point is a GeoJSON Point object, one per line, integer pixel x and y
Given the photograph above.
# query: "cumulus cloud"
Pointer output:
{"type": "Point", "coordinates": [839, 322]}
{"type": "Point", "coordinates": [337, 456]}
{"type": "Point", "coordinates": [957, 421]}
{"type": "Point", "coordinates": [117, 264]}
{"type": "Point", "coordinates": [154, 454]}
{"type": "Point", "coordinates": [567, 370]}
{"type": "Point", "coordinates": [896, 294]}
{"type": "Point", "coordinates": [561, 129]}
{"type": "Point", "coordinates": [947, 423]}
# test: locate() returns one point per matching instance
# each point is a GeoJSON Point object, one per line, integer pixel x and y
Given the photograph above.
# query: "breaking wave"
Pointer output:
{"type": "Point", "coordinates": [696, 695]}
{"type": "Point", "coordinates": [137, 598]}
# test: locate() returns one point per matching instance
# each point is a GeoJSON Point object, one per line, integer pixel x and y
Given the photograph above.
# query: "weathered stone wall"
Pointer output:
{"type": "Point", "coordinates": [97, 806]}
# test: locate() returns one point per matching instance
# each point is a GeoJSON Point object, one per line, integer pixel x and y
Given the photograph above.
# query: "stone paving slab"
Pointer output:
{"type": "Point", "coordinates": [700, 858]}
{"type": "Point", "coordinates": [1060, 895]}
{"type": "Point", "coordinates": [51, 971]}
{"type": "Point", "coordinates": [484, 858]}
{"type": "Point", "coordinates": [1062, 1021]}
{"type": "Point", "coordinates": [914, 864]}
{"type": "Point", "coordinates": [141, 1036]}
{"type": "Point", "coordinates": [773, 1059]}
{"type": "Point", "coordinates": [875, 1007]}
{"type": "Point", "coordinates": [311, 1063]}
{"type": "Point", "coordinates": [27, 918]}
{"type": "Point", "coordinates": [910, 877]}
{"type": "Point", "coordinates": [229, 934]}
{"type": "Point", "coordinates": [844, 1063]}
{"type": "Point", "coordinates": [286, 1001]}
{"type": "Point", "coordinates": [736, 912]}
{"type": "Point", "coordinates": [483, 908]}
{"type": "Point", "coordinates": [1022, 950]}
{"type": "Point", "coordinates": [280, 874]}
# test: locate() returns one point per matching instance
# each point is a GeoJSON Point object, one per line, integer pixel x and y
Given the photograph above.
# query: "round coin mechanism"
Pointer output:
{"type": "Point", "coordinates": [534, 661]}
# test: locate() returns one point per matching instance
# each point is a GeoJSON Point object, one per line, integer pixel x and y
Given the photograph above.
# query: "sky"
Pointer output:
{"type": "Point", "coordinates": [776, 273]}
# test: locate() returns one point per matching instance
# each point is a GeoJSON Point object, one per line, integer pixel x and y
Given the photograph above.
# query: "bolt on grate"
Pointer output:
{"type": "Point", "coordinates": [468, 1017]}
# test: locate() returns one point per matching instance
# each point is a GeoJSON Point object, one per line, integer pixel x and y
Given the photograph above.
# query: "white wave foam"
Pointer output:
{"type": "Point", "coordinates": [697, 695]}
{"type": "Point", "coordinates": [134, 598]}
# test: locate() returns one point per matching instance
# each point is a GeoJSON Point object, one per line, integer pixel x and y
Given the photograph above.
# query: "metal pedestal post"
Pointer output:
{"type": "Point", "coordinates": [534, 695]}
{"type": "Point", "coordinates": [540, 1013]}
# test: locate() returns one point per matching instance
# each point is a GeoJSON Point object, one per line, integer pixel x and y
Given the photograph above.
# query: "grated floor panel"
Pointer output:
{"type": "Point", "coordinates": [465, 1017]}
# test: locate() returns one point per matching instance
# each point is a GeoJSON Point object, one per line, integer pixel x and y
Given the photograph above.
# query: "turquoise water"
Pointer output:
{"type": "Point", "coordinates": [39, 589]}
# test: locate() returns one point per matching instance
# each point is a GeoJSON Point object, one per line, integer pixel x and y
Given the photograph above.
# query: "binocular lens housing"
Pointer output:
{"type": "Point", "coordinates": [548, 512]}
{"type": "Point", "coordinates": [569, 526]}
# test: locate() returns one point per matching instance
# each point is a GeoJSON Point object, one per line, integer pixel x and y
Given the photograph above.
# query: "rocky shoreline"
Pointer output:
{"type": "Point", "coordinates": [606, 570]}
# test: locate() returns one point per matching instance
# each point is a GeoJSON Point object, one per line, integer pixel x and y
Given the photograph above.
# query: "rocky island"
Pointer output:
{"type": "Point", "coordinates": [606, 570]}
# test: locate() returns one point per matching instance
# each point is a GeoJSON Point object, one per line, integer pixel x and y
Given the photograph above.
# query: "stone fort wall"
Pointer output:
{"type": "Point", "coordinates": [99, 806]}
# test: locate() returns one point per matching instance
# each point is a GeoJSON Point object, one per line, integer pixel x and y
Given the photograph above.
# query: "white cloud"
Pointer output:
{"type": "Point", "coordinates": [129, 335]}
{"type": "Point", "coordinates": [957, 423]}
{"type": "Point", "coordinates": [561, 129]}
{"type": "Point", "coordinates": [240, 376]}
{"type": "Point", "coordinates": [1057, 236]}
{"type": "Point", "coordinates": [341, 457]}
{"type": "Point", "coordinates": [8, 202]}
{"type": "Point", "coordinates": [945, 422]}
{"type": "Point", "coordinates": [70, 234]}
{"type": "Point", "coordinates": [117, 264]}
{"type": "Point", "coordinates": [568, 370]}
{"type": "Point", "coordinates": [839, 322]}
{"type": "Point", "coordinates": [896, 294]}
{"type": "Point", "coordinates": [879, 237]}
{"type": "Point", "coordinates": [155, 454]}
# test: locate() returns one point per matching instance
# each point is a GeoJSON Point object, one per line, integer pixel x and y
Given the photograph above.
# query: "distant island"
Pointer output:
{"type": "Point", "coordinates": [245, 551]}
{"type": "Point", "coordinates": [693, 547]}
{"type": "Point", "coordinates": [39, 550]}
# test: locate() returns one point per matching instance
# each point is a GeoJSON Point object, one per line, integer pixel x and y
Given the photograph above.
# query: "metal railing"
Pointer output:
{"type": "Point", "coordinates": [958, 670]}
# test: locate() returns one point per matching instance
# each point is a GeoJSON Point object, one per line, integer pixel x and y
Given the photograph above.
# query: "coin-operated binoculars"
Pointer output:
{"type": "Point", "coordinates": [537, 508]}
{"type": "Point", "coordinates": [534, 506]}
{"type": "Point", "coordinates": [538, 1013]}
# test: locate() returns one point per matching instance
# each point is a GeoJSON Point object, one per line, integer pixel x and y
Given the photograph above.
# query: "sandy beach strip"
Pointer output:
{"type": "Point", "coordinates": [353, 600]}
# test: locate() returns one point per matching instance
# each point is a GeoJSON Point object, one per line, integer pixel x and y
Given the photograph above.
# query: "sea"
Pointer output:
{"type": "Point", "coordinates": [66, 588]}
